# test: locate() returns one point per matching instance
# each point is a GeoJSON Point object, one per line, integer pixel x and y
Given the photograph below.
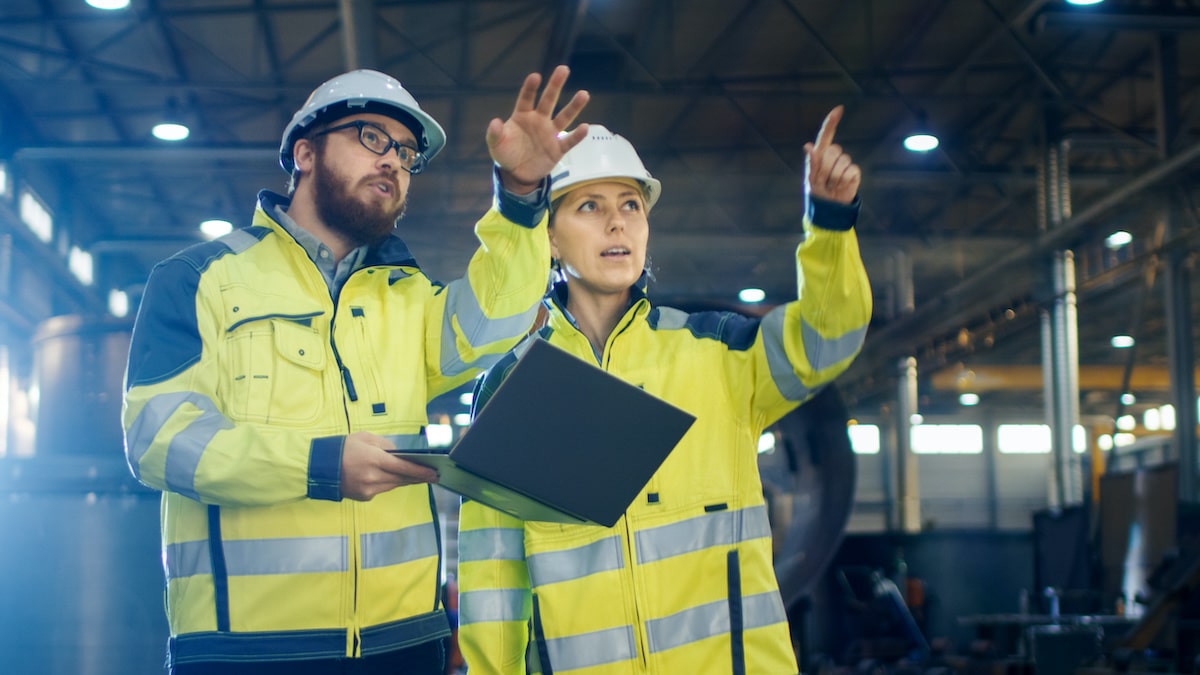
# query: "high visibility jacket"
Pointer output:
{"type": "Point", "coordinates": [244, 378]}
{"type": "Point", "coordinates": [684, 582]}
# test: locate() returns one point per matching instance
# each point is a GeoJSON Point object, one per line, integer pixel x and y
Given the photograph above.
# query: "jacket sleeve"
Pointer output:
{"type": "Point", "coordinates": [476, 319]}
{"type": "Point", "coordinates": [494, 601]}
{"type": "Point", "coordinates": [806, 343]}
{"type": "Point", "coordinates": [177, 437]}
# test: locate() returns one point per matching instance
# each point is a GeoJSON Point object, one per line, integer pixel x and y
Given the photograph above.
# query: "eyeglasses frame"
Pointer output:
{"type": "Point", "coordinates": [419, 163]}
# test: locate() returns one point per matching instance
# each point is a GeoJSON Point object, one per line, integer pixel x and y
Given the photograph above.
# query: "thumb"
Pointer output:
{"type": "Point", "coordinates": [494, 129]}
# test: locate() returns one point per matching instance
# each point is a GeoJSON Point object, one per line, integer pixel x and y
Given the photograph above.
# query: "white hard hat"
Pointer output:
{"type": "Point", "coordinates": [362, 91]}
{"type": "Point", "coordinates": [602, 154]}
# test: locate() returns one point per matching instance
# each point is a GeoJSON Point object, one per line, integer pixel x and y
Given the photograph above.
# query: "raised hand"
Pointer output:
{"type": "Point", "coordinates": [829, 173]}
{"type": "Point", "coordinates": [527, 145]}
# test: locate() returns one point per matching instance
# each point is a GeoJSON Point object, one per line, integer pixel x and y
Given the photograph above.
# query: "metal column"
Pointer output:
{"type": "Point", "coordinates": [1177, 279]}
{"type": "Point", "coordinates": [908, 493]}
{"type": "Point", "coordinates": [358, 33]}
{"type": "Point", "coordinates": [1060, 328]}
{"type": "Point", "coordinates": [904, 503]}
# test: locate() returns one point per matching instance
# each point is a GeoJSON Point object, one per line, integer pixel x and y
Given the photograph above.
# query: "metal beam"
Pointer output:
{"type": "Point", "coordinates": [981, 291]}
{"type": "Point", "coordinates": [1015, 377]}
{"type": "Point", "coordinates": [1159, 21]}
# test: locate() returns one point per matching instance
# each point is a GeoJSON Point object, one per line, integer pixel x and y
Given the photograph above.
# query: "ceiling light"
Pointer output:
{"type": "Point", "coordinates": [1121, 341]}
{"type": "Point", "coordinates": [170, 131]}
{"type": "Point", "coordinates": [1128, 399]}
{"type": "Point", "coordinates": [920, 138]}
{"type": "Point", "coordinates": [1118, 239]}
{"type": "Point", "coordinates": [752, 295]}
{"type": "Point", "coordinates": [171, 128]}
{"type": "Point", "coordinates": [108, 4]}
{"type": "Point", "coordinates": [216, 227]}
{"type": "Point", "coordinates": [920, 142]}
{"type": "Point", "coordinates": [1084, 2]}
{"type": "Point", "coordinates": [968, 399]}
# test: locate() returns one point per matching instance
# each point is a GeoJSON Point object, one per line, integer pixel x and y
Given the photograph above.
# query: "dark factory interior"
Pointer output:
{"type": "Point", "coordinates": [1006, 479]}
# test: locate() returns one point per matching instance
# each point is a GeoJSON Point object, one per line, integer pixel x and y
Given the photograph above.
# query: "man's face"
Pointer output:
{"type": "Point", "coordinates": [357, 193]}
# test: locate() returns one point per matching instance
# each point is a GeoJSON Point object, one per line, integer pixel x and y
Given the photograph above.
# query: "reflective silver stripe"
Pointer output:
{"type": "Point", "coordinates": [239, 240]}
{"type": "Point", "coordinates": [591, 649]}
{"type": "Point", "coordinates": [186, 559]}
{"type": "Point", "coordinates": [477, 329]}
{"type": "Point", "coordinates": [493, 543]}
{"type": "Point", "coordinates": [709, 619]}
{"type": "Point", "coordinates": [576, 563]}
{"type": "Point", "coordinates": [408, 441]}
{"type": "Point", "coordinates": [185, 449]}
{"type": "Point", "coordinates": [821, 352]}
{"type": "Point", "coordinates": [505, 604]}
{"type": "Point", "coordinates": [670, 318]}
{"type": "Point", "coordinates": [246, 557]}
{"type": "Point", "coordinates": [286, 556]}
{"type": "Point", "coordinates": [720, 528]}
{"type": "Point", "coordinates": [380, 549]}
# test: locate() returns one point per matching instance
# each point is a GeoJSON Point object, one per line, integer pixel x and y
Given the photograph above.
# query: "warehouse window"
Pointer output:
{"type": "Point", "coordinates": [79, 262]}
{"type": "Point", "coordinates": [5, 190]}
{"type": "Point", "coordinates": [35, 216]}
{"type": "Point", "coordinates": [864, 438]}
{"type": "Point", "coordinates": [1032, 439]}
{"type": "Point", "coordinates": [947, 439]}
{"type": "Point", "coordinates": [1026, 439]}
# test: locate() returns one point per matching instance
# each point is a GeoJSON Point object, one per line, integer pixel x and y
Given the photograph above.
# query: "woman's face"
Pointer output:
{"type": "Point", "coordinates": [598, 235]}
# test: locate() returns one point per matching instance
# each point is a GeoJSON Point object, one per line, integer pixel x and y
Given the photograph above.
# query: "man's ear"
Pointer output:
{"type": "Point", "coordinates": [303, 155]}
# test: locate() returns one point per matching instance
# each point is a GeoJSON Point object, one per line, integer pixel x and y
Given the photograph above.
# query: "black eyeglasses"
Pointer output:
{"type": "Point", "coordinates": [377, 141]}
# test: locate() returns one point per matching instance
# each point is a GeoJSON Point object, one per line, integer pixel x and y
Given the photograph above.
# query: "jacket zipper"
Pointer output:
{"type": "Point", "coordinates": [353, 637]}
{"type": "Point", "coordinates": [640, 639]}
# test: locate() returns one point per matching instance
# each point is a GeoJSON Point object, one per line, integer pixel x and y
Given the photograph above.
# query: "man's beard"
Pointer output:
{"type": "Point", "coordinates": [360, 221]}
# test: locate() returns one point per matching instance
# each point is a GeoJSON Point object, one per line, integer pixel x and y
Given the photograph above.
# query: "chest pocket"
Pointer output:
{"type": "Point", "coordinates": [276, 372]}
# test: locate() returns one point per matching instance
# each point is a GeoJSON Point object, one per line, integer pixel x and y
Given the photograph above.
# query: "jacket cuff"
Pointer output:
{"type": "Point", "coordinates": [829, 215]}
{"type": "Point", "coordinates": [524, 210]}
{"type": "Point", "coordinates": [325, 468]}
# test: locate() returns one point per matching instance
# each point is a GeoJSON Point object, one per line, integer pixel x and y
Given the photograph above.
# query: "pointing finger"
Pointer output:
{"type": "Point", "coordinates": [829, 127]}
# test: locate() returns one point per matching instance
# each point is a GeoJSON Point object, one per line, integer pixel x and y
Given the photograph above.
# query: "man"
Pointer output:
{"type": "Point", "coordinates": [271, 370]}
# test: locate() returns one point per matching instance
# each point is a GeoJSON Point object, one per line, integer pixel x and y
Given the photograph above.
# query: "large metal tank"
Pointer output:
{"type": "Point", "coordinates": [78, 372]}
{"type": "Point", "coordinates": [81, 582]}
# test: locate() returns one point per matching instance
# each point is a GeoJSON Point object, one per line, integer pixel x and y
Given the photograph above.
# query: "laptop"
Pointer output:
{"type": "Point", "coordinates": [561, 440]}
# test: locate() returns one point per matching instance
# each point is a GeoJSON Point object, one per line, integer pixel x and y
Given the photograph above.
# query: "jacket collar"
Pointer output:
{"type": "Point", "coordinates": [557, 297]}
{"type": "Point", "coordinates": [392, 251]}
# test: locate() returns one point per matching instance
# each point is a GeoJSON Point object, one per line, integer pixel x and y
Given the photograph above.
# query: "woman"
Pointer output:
{"type": "Point", "coordinates": [684, 582]}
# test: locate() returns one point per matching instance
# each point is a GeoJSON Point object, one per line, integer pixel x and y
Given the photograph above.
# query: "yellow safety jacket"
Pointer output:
{"type": "Point", "coordinates": [684, 582]}
{"type": "Point", "coordinates": [245, 376]}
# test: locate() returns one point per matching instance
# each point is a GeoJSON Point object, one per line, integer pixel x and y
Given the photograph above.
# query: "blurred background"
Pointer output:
{"type": "Point", "coordinates": [1004, 481]}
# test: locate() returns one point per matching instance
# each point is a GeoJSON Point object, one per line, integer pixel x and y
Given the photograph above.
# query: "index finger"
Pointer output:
{"type": "Point", "coordinates": [829, 127]}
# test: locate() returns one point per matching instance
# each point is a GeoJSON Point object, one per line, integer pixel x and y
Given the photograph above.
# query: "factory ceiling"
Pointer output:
{"type": "Point", "coordinates": [1058, 124]}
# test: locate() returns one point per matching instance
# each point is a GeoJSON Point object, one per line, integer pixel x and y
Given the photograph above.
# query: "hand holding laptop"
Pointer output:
{"type": "Point", "coordinates": [369, 469]}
